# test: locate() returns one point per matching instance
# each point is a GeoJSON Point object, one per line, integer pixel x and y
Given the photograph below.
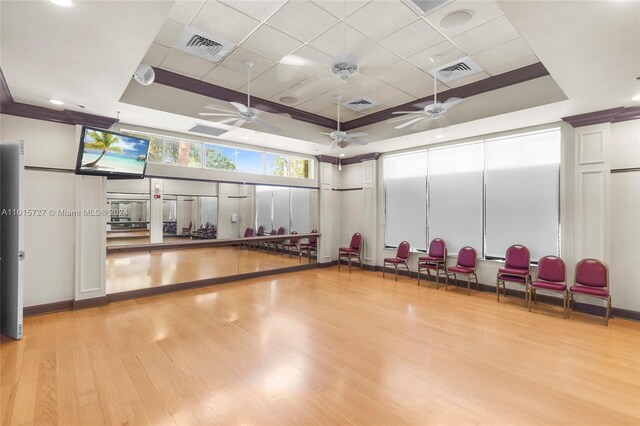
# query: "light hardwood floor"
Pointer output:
{"type": "Point", "coordinates": [321, 347]}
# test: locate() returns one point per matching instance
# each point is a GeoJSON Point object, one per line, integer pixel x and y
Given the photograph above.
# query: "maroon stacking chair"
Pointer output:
{"type": "Point", "coordinates": [291, 244]}
{"type": "Point", "coordinates": [552, 276]}
{"type": "Point", "coordinates": [466, 265]}
{"type": "Point", "coordinates": [517, 269]}
{"type": "Point", "coordinates": [278, 243]}
{"type": "Point", "coordinates": [260, 233]}
{"type": "Point", "coordinates": [592, 280]}
{"type": "Point", "coordinates": [270, 244]}
{"type": "Point", "coordinates": [310, 246]}
{"type": "Point", "coordinates": [187, 231]}
{"type": "Point", "coordinates": [436, 260]}
{"type": "Point", "coordinates": [402, 258]}
{"type": "Point", "coordinates": [354, 249]}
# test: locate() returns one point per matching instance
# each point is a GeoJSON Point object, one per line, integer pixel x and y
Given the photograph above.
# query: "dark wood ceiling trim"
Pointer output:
{"type": "Point", "coordinates": [203, 88]}
{"type": "Point", "coordinates": [510, 78]}
{"type": "Point", "coordinates": [10, 107]}
{"type": "Point", "coordinates": [327, 159]}
{"type": "Point", "coordinates": [613, 115]}
{"type": "Point", "coordinates": [360, 158]}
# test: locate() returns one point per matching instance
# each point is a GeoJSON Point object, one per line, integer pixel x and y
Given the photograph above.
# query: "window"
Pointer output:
{"type": "Point", "coordinates": [522, 193]}
{"type": "Point", "coordinates": [277, 165]}
{"type": "Point", "coordinates": [298, 168]}
{"type": "Point", "coordinates": [406, 199]}
{"type": "Point", "coordinates": [455, 195]}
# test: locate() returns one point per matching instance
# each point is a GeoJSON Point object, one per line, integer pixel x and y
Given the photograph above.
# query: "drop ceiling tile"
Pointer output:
{"type": "Point", "coordinates": [412, 39]}
{"type": "Point", "coordinates": [506, 57]}
{"type": "Point", "coordinates": [308, 60]}
{"type": "Point", "coordinates": [400, 70]}
{"type": "Point", "coordinates": [378, 19]}
{"type": "Point", "coordinates": [316, 106]}
{"type": "Point", "coordinates": [419, 87]}
{"type": "Point", "coordinates": [169, 33]}
{"type": "Point", "coordinates": [468, 80]}
{"type": "Point", "coordinates": [371, 110]}
{"type": "Point", "coordinates": [390, 95]}
{"type": "Point", "coordinates": [263, 88]}
{"type": "Point", "coordinates": [445, 50]}
{"type": "Point", "coordinates": [345, 114]}
{"type": "Point", "coordinates": [340, 91]}
{"type": "Point", "coordinates": [339, 8]}
{"type": "Point", "coordinates": [486, 36]}
{"type": "Point", "coordinates": [375, 56]}
{"type": "Point", "coordinates": [225, 77]}
{"type": "Point", "coordinates": [332, 42]}
{"type": "Point", "coordinates": [302, 20]}
{"type": "Point", "coordinates": [257, 9]}
{"type": "Point", "coordinates": [235, 61]}
{"type": "Point", "coordinates": [184, 11]}
{"type": "Point", "coordinates": [156, 54]}
{"type": "Point", "coordinates": [483, 11]}
{"type": "Point", "coordinates": [363, 84]}
{"type": "Point", "coordinates": [307, 89]}
{"type": "Point", "coordinates": [186, 64]}
{"type": "Point", "coordinates": [271, 43]}
{"type": "Point", "coordinates": [284, 74]}
{"type": "Point", "coordinates": [219, 20]}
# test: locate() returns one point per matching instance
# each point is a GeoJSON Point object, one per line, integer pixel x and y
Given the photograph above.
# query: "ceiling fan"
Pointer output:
{"type": "Point", "coordinates": [341, 138]}
{"type": "Point", "coordinates": [244, 114]}
{"type": "Point", "coordinates": [433, 111]}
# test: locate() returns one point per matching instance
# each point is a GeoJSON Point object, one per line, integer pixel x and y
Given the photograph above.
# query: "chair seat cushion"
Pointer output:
{"type": "Point", "coordinates": [394, 260]}
{"type": "Point", "coordinates": [512, 278]}
{"type": "Point", "coordinates": [430, 259]}
{"type": "Point", "coordinates": [514, 271]}
{"type": "Point", "coordinates": [431, 266]}
{"type": "Point", "coordinates": [549, 285]}
{"type": "Point", "coordinates": [591, 291]}
{"type": "Point", "coordinates": [347, 250]}
{"type": "Point", "coordinates": [461, 270]}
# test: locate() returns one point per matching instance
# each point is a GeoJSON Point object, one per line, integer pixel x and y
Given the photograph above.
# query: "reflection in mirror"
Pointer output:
{"type": "Point", "coordinates": [190, 216]}
{"type": "Point", "coordinates": [129, 220]}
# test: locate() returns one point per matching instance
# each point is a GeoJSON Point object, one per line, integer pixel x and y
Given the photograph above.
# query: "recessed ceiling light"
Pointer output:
{"type": "Point", "coordinates": [63, 3]}
{"type": "Point", "coordinates": [636, 97]}
{"type": "Point", "coordinates": [288, 99]}
{"type": "Point", "coordinates": [456, 19]}
{"type": "Point", "coordinates": [341, 154]}
{"type": "Point", "coordinates": [56, 102]}
{"type": "Point", "coordinates": [439, 136]}
{"type": "Point", "coordinates": [244, 137]}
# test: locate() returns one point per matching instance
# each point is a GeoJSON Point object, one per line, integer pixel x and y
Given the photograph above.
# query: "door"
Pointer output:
{"type": "Point", "coordinates": [11, 237]}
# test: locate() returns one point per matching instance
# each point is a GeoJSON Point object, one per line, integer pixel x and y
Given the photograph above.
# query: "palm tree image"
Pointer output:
{"type": "Point", "coordinates": [102, 141]}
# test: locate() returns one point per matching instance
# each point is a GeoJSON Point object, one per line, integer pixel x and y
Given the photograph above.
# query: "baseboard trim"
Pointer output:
{"type": "Point", "coordinates": [94, 302]}
{"type": "Point", "coordinates": [47, 308]}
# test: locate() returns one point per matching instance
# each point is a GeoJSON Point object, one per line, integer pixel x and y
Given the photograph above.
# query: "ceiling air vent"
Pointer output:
{"type": "Point", "coordinates": [425, 6]}
{"type": "Point", "coordinates": [456, 70]}
{"type": "Point", "coordinates": [360, 104]}
{"type": "Point", "coordinates": [203, 45]}
{"type": "Point", "coordinates": [206, 130]}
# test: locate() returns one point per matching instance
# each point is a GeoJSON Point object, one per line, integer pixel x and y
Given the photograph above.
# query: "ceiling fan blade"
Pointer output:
{"type": "Point", "coordinates": [357, 135]}
{"type": "Point", "coordinates": [218, 109]}
{"type": "Point", "coordinates": [410, 122]}
{"type": "Point", "coordinates": [217, 114]}
{"type": "Point", "coordinates": [356, 141]}
{"type": "Point", "coordinates": [227, 121]}
{"type": "Point", "coordinates": [266, 124]}
{"type": "Point", "coordinates": [333, 142]}
{"type": "Point", "coordinates": [324, 133]}
{"type": "Point", "coordinates": [240, 107]}
{"type": "Point", "coordinates": [238, 123]}
{"type": "Point", "coordinates": [451, 102]}
{"type": "Point", "coordinates": [400, 118]}
{"type": "Point", "coordinates": [407, 112]}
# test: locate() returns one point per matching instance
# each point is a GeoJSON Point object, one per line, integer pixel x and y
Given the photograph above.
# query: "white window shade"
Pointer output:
{"type": "Point", "coordinates": [209, 210]}
{"type": "Point", "coordinates": [522, 194]}
{"type": "Point", "coordinates": [281, 208]}
{"type": "Point", "coordinates": [263, 207]}
{"type": "Point", "coordinates": [455, 196]}
{"type": "Point", "coordinates": [405, 179]}
{"type": "Point", "coordinates": [300, 210]}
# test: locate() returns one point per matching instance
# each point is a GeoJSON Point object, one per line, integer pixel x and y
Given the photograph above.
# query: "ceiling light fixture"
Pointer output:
{"type": "Point", "coordinates": [636, 97]}
{"type": "Point", "coordinates": [56, 102]}
{"type": "Point", "coordinates": [144, 74]}
{"type": "Point", "coordinates": [439, 136]}
{"type": "Point", "coordinates": [63, 3]}
{"type": "Point", "coordinates": [341, 154]}
{"type": "Point", "coordinates": [456, 19]}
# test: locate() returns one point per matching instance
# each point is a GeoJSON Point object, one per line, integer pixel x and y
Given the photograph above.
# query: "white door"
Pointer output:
{"type": "Point", "coordinates": [11, 237]}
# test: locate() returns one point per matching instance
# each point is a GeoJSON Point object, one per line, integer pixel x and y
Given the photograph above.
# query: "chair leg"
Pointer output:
{"type": "Point", "coordinates": [437, 277]}
{"type": "Point", "coordinates": [396, 266]}
{"type": "Point", "coordinates": [475, 277]}
{"type": "Point", "coordinates": [360, 262]}
{"type": "Point", "coordinates": [564, 304]}
{"type": "Point", "coordinates": [349, 257]}
{"type": "Point", "coordinates": [606, 318]}
{"type": "Point", "coordinates": [419, 271]}
{"type": "Point", "coordinates": [468, 284]}
{"type": "Point", "coordinates": [339, 261]}
{"type": "Point", "coordinates": [408, 270]}
{"type": "Point", "coordinates": [498, 289]}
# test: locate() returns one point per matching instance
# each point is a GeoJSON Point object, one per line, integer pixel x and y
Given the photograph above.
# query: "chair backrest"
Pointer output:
{"type": "Point", "coordinates": [281, 230]}
{"type": "Point", "coordinates": [437, 248]}
{"type": "Point", "coordinates": [467, 257]}
{"type": "Point", "coordinates": [403, 250]}
{"type": "Point", "coordinates": [260, 232]}
{"type": "Point", "coordinates": [592, 273]}
{"type": "Point", "coordinates": [293, 240]}
{"type": "Point", "coordinates": [552, 268]}
{"type": "Point", "coordinates": [517, 257]}
{"type": "Point", "coordinates": [314, 238]}
{"type": "Point", "coordinates": [273, 232]}
{"type": "Point", "coordinates": [248, 232]}
{"type": "Point", "coordinates": [356, 240]}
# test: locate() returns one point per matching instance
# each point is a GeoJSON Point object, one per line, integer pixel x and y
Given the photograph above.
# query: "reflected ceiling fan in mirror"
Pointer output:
{"type": "Point", "coordinates": [341, 138]}
{"type": "Point", "coordinates": [434, 111]}
{"type": "Point", "coordinates": [244, 113]}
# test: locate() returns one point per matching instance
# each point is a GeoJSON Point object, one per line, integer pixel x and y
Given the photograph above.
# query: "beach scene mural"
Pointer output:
{"type": "Point", "coordinates": [113, 153]}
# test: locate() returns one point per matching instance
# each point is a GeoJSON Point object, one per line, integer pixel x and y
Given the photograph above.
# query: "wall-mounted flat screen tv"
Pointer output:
{"type": "Point", "coordinates": [111, 154]}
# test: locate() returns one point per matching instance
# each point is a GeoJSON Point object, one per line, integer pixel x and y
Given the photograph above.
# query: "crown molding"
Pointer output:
{"type": "Point", "coordinates": [613, 115]}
